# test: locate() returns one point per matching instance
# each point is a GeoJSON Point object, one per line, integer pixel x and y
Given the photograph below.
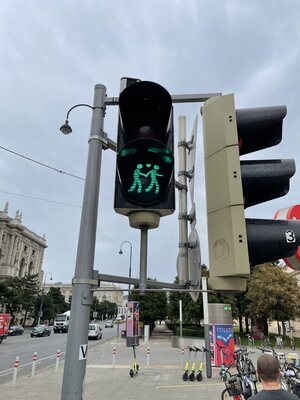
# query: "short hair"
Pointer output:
{"type": "Point", "coordinates": [268, 368]}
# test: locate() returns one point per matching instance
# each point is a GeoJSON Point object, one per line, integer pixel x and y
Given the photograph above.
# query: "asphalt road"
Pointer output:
{"type": "Point", "coordinates": [46, 347]}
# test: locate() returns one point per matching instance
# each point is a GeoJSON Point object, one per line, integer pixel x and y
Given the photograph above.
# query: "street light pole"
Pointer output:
{"type": "Point", "coordinates": [83, 281]}
{"type": "Point", "coordinates": [42, 298]}
{"type": "Point", "coordinates": [130, 260]}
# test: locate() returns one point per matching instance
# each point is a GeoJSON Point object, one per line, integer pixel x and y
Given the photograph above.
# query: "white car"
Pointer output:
{"type": "Point", "coordinates": [109, 324]}
{"type": "Point", "coordinates": [95, 331]}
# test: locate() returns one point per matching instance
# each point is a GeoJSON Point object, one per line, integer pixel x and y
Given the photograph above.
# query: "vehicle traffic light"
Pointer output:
{"type": "Point", "coordinates": [144, 187]}
{"type": "Point", "coordinates": [236, 243]}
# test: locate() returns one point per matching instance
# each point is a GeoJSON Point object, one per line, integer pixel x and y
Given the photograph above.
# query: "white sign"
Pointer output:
{"type": "Point", "coordinates": [83, 349]}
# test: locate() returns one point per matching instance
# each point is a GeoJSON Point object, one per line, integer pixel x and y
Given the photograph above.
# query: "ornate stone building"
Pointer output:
{"type": "Point", "coordinates": [105, 295]}
{"type": "Point", "coordinates": [21, 250]}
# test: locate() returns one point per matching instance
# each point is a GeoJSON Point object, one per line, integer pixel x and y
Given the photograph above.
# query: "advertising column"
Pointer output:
{"type": "Point", "coordinates": [132, 324]}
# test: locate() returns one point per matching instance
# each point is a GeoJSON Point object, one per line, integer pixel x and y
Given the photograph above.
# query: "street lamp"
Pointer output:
{"type": "Point", "coordinates": [42, 298]}
{"type": "Point", "coordinates": [130, 259]}
{"type": "Point", "coordinates": [84, 278]}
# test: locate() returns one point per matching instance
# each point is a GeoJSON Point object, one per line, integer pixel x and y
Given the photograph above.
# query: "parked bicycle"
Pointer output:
{"type": "Point", "coordinates": [279, 342]}
{"type": "Point", "coordinates": [244, 364]}
{"type": "Point", "coordinates": [250, 340]}
{"type": "Point", "coordinates": [266, 342]}
{"type": "Point", "coordinates": [233, 389]}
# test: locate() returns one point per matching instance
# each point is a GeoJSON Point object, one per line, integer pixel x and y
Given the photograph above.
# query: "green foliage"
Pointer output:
{"type": "Point", "coordinates": [53, 304]}
{"type": "Point", "coordinates": [105, 309]}
{"type": "Point", "coordinates": [20, 295]}
{"type": "Point", "coordinates": [153, 306]}
{"type": "Point", "coordinates": [273, 294]}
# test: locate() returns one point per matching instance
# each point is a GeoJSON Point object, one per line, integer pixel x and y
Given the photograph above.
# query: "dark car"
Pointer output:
{"type": "Point", "coordinates": [15, 330]}
{"type": "Point", "coordinates": [40, 330]}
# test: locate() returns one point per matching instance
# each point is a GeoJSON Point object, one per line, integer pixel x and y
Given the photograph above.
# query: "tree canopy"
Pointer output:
{"type": "Point", "coordinates": [273, 294]}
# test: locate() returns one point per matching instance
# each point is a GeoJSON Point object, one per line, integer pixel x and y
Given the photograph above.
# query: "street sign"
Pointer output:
{"type": "Point", "coordinates": [290, 213]}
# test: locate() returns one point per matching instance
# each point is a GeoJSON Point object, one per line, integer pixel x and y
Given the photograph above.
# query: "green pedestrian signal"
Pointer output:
{"type": "Point", "coordinates": [145, 169]}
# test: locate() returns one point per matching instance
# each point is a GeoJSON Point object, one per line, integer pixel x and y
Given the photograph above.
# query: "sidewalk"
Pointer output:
{"type": "Point", "coordinates": [161, 380]}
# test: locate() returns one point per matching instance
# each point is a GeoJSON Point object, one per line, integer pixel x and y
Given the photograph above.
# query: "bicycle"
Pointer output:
{"type": "Point", "coordinates": [266, 342]}
{"type": "Point", "coordinates": [244, 364]}
{"type": "Point", "coordinates": [292, 343]}
{"type": "Point", "coordinates": [250, 340]}
{"type": "Point", "coordinates": [249, 381]}
{"type": "Point", "coordinates": [279, 342]}
{"type": "Point", "coordinates": [233, 389]}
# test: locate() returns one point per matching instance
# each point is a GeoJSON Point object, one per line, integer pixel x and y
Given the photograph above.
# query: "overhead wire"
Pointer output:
{"type": "Point", "coordinates": [43, 165]}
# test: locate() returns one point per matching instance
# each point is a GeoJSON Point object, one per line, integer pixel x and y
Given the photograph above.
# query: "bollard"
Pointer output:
{"type": "Point", "coordinates": [34, 358]}
{"type": "Point", "coordinates": [57, 360]}
{"type": "Point", "coordinates": [17, 363]}
{"type": "Point", "coordinates": [182, 352]}
{"type": "Point", "coordinates": [114, 357]}
{"type": "Point", "coordinates": [148, 356]}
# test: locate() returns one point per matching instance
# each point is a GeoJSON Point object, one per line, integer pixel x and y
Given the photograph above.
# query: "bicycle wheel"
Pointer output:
{"type": "Point", "coordinates": [250, 367]}
{"type": "Point", "coordinates": [226, 396]}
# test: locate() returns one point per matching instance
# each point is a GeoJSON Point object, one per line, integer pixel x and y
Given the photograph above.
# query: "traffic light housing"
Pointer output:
{"type": "Point", "coordinates": [236, 243]}
{"type": "Point", "coordinates": [144, 186]}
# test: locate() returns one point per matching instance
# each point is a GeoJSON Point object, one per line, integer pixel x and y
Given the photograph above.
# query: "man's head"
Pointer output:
{"type": "Point", "coordinates": [268, 368]}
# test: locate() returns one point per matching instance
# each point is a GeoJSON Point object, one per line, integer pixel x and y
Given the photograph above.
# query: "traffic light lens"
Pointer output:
{"type": "Point", "coordinates": [145, 169]}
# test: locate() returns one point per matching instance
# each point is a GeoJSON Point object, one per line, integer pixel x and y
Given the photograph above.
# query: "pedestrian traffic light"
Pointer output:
{"type": "Point", "coordinates": [144, 187]}
{"type": "Point", "coordinates": [236, 243]}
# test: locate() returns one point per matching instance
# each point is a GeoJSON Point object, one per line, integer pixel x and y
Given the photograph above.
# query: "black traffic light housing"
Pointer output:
{"type": "Point", "coordinates": [144, 187]}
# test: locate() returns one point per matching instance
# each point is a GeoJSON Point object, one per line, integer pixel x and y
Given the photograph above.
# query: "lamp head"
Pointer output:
{"type": "Point", "coordinates": [66, 128]}
{"type": "Point", "coordinates": [120, 251]}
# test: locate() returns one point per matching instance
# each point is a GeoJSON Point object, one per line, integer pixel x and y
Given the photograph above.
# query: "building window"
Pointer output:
{"type": "Point", "coordinates": [25, 248]}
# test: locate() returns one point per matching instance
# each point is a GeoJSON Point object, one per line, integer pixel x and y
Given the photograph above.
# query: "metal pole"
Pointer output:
{"type": "Point", "coordinates": [206, 327]}
{"type": "Point", "coordinates": [143, 258]}
{"type": "Point", "coordinates": [82, 298]}
{"type": "Point", "coordinates": [180, 320]}
{"type": "Point", "coordinates": [130, 260]}
{"type": "Point", "coordinates": [182, 271]}
{"type": "Point", "coordinates": [42, 297]}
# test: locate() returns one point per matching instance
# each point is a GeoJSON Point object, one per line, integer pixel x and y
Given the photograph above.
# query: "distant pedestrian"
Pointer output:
{"type": "Point", "coordinates": [269, 373]}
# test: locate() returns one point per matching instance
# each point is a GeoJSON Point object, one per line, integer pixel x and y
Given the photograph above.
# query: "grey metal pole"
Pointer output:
{"type": "Point", "coordinates": [143, 258]}
{"type": "Point", "coordinates": [206, 327]}
{"type": "Point", "coordinates": [180, 321]}
{"type": "Point", "coordinates": [82, 298]}
{"type": "Point", "coordinates": [183, 274]}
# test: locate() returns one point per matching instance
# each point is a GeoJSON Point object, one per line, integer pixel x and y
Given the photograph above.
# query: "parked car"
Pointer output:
{"type": "Point", "coordinates": [40, 330]}
{"type": "Point", "coordinates": [109, 324]}
{"type": "Point", "coordinates": [95, 331]}
{"type": "Point", "coordinates": [15, 330]}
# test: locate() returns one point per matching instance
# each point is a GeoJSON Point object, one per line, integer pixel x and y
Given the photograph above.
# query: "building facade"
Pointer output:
{"type": "Point", "coordinates": [109, 292]}
{"type": "Point", "coordinates": [21, 250]}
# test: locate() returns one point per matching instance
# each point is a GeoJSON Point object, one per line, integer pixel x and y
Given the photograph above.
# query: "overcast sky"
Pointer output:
{"type": "Point", "coordinates": [52, 55]}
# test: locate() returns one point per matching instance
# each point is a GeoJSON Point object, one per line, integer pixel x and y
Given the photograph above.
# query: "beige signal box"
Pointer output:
{"type": "Point", "coordinates": [227, 237]}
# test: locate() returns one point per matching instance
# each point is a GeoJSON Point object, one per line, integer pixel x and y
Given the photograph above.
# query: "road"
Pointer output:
{"type": "Point", "coordinates": [46, 347]}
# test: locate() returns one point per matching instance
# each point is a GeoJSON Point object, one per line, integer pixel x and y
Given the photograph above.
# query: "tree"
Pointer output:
{"type": "Point", "coordinates": [29, 286]}
{"type": "Point", "coordinates": [273, 294]}
{"type": "Point", "coordinates": [192, 312]}
{"type": "Point", "coordinates": [153, 306]}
